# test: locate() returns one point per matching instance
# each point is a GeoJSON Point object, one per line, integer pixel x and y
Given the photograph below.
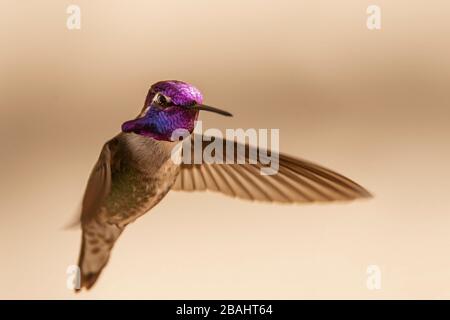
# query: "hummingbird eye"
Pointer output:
{"type": "Point", "coordinates": [161, 100]}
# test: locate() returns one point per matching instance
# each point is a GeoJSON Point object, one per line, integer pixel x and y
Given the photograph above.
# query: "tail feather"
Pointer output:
{"type": "Point", "coordinates": [97, 242]}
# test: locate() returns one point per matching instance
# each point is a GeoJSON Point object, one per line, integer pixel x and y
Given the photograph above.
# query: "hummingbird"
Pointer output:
{"type": "Point", "coordinates": [135, 170]}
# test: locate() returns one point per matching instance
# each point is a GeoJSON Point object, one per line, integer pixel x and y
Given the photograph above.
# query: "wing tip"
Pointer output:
{"type": "Point", "coordinates": [361, 192]}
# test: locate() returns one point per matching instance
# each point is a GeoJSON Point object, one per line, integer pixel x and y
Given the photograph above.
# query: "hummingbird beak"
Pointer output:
{"type": "Point", "coordinates": [204, 107]}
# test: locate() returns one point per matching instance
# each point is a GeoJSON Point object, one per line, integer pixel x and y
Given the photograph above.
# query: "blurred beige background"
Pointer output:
{"type": "Point", "coordinates": [373, 105]}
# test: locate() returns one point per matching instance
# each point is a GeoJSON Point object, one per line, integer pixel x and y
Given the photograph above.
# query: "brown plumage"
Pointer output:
{"type": "Point", "coordinates": [133, 173]}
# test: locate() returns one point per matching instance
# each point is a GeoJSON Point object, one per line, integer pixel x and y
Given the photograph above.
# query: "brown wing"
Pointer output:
{"type": "Point", "coordinates": [99, 183]}
{"type": "Point", "coordinates": [296, 180]}
{"type": "Point", "coordinates": [97, 238]}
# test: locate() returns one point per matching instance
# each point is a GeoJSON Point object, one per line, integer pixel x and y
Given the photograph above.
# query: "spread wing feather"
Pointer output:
{"type": "Point", "coordinates": [297, 180]}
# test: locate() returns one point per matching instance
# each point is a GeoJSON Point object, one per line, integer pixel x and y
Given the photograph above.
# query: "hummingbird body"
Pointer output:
{"type": "Point", "coordinates": [141, 175]}
{"type": "Point", "coordinates": [135, 171]}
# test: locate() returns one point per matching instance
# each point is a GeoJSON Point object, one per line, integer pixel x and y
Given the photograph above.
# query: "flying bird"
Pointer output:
{"type": "Point", "coordinates": [135, 170]}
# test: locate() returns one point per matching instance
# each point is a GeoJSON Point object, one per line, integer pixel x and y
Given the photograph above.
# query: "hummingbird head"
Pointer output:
{"type": "Point", "coordinates": [170, 105]}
